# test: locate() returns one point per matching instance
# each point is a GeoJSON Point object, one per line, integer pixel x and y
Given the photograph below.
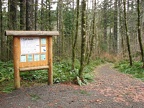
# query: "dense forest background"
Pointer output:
{"type": "Point", "coordinates": [112, 29]}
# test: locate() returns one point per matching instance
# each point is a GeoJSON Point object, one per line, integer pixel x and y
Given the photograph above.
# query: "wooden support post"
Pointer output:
{"type": "Point", "coordinates": [16, 63]}
{"type": "Point", "coordinates": [50, 61]}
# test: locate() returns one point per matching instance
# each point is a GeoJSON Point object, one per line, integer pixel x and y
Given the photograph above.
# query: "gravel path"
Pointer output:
{"type": "Point", "coordinates": [110, 89]}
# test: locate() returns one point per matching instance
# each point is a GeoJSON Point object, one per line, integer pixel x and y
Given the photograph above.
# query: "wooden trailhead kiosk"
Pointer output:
{"type": "Point", "coordinates": [32, 50]}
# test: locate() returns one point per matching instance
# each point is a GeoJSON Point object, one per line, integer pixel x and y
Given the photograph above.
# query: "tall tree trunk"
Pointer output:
{"type": "Point", "coordinates": [29, 20]}
{"type": "Point", "coordinates": [22, 14]}
{"type": "Point", "coordinates": [42, 15]}
{"type": "Point", "coordinates": [93, 32]}
{"type": "Point", "coordinates": [83, 37]}
{"type": "Point", "coordinates": [4, 45]}
{"type": "Point", "coordinates": [49, 15]}
{"type": "Point", "coordinates": [36, 10]}
{"type": "Point", "coordinates": [127, 34]}
{"type": "Point", "coordinates": [3, 54]}
{"type": "Point", "coordinates": [1, 31]}
{"type": "Point", "coordinates": [60, 27]}
{"type": "Point", "coordinates": [13, 14]}
{"type": "Point", "coordinates": [105, 24]}
{"type": "Point", "coordinates": [76, 35]}
{"type": "Point", "coordinates": [33, 14]}
{"type": "Point", "coordinates": [139, 31]}
{"type": "Point", "coordinates": [118, 28]}
{"type": "Point", "coordinates": [115, 27]}
{"type": "Point", "coordinates": [12, 25]}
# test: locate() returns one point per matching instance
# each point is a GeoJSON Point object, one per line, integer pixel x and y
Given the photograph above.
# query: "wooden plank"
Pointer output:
{"type": "Point", "coordinates": [50, 61]}
{"type": "Point", "coordinates": [31, 33]}
{"type": "Point", "coordinates": [34, 68]}
{"type": "Point", "coordinates": [16, 62]}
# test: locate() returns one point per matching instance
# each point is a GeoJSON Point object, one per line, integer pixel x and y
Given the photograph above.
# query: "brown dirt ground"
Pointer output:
{"type": "Point", "coordinates": [110, 89]}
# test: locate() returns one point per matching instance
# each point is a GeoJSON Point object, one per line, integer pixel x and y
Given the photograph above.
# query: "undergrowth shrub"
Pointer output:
{"type": "Point", "coordinates": [6, 71]}
{"type": "Point", "coordinates": [136, 70]}
{"type": "Point", "coordinates": [62, 72]}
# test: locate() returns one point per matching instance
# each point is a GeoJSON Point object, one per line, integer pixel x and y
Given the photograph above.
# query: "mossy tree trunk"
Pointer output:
{"type": "Point", "coordinates": [76, 35]}
{"type": "Point", "coordinates": [105, 25]}
{"type": "Point", "coordinates": [83, 38]}
{"type": "Point", "coordinates": [139, 31]}
{"type": "Point", "coordinates": [115, 27]}
{"type": "Point", "coordinates": [93, 32]}
{"type": "Point", "coordinates": [60, 40]}
{"type": "Point", "coordinates": [127, 34]}
{"type": "Point", "coordinates": [1, 31]}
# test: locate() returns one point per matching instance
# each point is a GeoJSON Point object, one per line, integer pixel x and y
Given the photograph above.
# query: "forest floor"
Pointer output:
{"type": "Point", "coordinates": [110, 89]}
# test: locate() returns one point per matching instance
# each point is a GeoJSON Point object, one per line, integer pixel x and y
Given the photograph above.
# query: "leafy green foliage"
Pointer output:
{"type": "Point", "coordinates": [79, 81]}
{"type": "Point", "coordinates": [8, 89]}
{"type": "Point", "coordinates": [88, 74]}
{"type": "Point", "coordinates": [6, 71]}
{"type": "Point", "coordinates": [136, 70]}
{"type": "Point", "coordinates": [62, 72]}
{"type": "Point", "coordinates": [6, 76]}
{"type": "Point", "coordinates": [39, 76]}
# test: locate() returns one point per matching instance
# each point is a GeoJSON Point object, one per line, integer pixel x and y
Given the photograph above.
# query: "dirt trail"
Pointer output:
{"type": "Point", "coordinates": [110, 89]}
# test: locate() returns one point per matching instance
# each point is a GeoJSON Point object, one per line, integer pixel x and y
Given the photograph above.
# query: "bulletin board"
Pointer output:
{"type": "Point", "coordinates": [32, 50]}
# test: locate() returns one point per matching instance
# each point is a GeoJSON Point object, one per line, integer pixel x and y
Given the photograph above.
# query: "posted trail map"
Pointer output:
{"type": "Point", "coordinates": [29, 45]}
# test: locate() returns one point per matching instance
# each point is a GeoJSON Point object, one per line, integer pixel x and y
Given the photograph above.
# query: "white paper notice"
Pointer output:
{"type": "Point", "coordinates": [43, 49]}
{"type": "Point", "coordinates": [29, 45]}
